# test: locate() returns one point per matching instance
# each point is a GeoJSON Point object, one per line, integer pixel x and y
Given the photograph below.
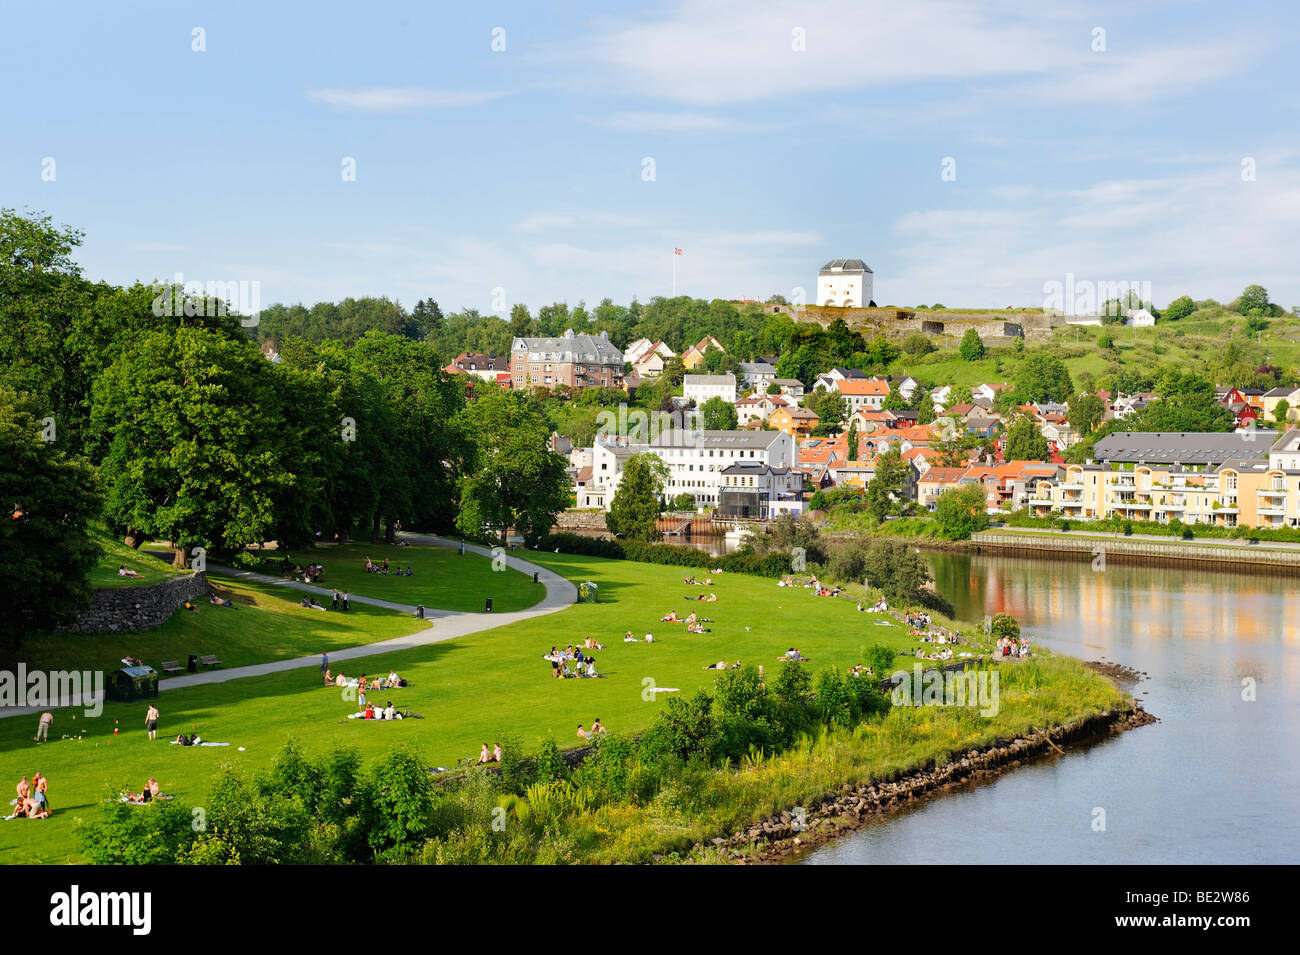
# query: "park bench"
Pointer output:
{"type": "Point", "coordinates": [210, 661]}
{"type": "Point", "coordinates": [172, 666]}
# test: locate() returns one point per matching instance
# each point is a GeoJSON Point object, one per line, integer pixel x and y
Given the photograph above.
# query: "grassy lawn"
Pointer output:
{"type": "Point", "coordinates": [116, 554]}
{"type": "Point", "coordinates": [265, 624]}
{"type": "Point", "coordinates": [443, 578]}
{"type": "Point", "coordinates": [485, 687]}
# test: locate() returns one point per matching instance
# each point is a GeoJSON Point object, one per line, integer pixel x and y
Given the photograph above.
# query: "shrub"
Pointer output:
{"type": "Point", "coordinates": [1004, 625]}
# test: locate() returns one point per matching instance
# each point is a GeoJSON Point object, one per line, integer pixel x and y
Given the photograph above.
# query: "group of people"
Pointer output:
{"type": "Point", "coordinates": [340, 601]}
{"type": "Point", "coordinates": [596, 729]}
{"type": "Point", "coordinates": [492, 755]}
{"type": "Point", "coordinates": [708, 581]}
{"type": "Point", "coordinates": [694, 623]}
{"type": "Point", "coordinates": [368, 712]}
{"type": "Point", "coordinates": [571, 662]}
{"type": "Point", "coordinates": [792, 656]}
{"type": "Point", "coordinates": [382, 568]}
{"type": "Point", "coordinates": [629, 638]}
{"type": "Point", "coordinates": [148, 793]}
{"type": "Point", "coordinates": [308, 575]}
{"type": "Point", "coordinates": [32, 801]}
{"type": "Point", "coordinates": [1010, 647]}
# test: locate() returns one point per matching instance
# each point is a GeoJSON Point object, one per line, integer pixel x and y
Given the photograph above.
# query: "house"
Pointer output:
{"type": "Point", "coordinates": [794, 421]}
{"type": "Point", "coordinates": [936, 481]}
{"type": "Point", "coordinates": [701, 388]}
{"type": "Point", "coordinates": [863, 394]}
{"type": "Point", "coordinates": [989, 392]}
{"type": "Point", "coordinates": [484, 367]}
{"type": "Point", "coordinates": [790, 387]}
{"type": "Point", "coordinates": [846, 283]}
{"type": "Point", "coordinates": [940, 397]}
{"type": "Point", "coordinates": [606, 471]}
{"type": "Point", "coordinates": [826, 381]}
{"type": "Point", "coordinates": [578, 361]}
{"type": "Point", "coordinates": [1140, 318]}
{"type": "Point", "coordinates": [635, 350]}
{"type": "Point", "coordinates": [757, 375]}
{"type": "Point", "coordinates": [1272, 398]}
{"type": "Point", "coordinates": [982, 427]}
{"type": "Point", "coordinates": [650, 363]}
{"type": "Point", "coordinates": [693, 357]}
{"type": "Point", "coordinates": [754, 490]}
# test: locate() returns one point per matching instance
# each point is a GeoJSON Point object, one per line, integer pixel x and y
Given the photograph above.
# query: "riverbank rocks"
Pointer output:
{"type": "Point", "coordinates": [773, 839]}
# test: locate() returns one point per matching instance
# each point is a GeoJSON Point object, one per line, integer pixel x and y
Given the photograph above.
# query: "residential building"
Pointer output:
{"type": "Point", "coordinates": [696, 460]}
{"type": "Point", "coordinates": [794, 421]}
{"type": "Point", "coordinates": [757, 375]}
{"type": "Point", "coordinates": [700, 388]}
{"type": "Point", "coordinates": [863, 393]}
{"type": "Point", "coordinates": [760, 491]}
{"type": "Point", "coordinates": [579, 361]}
{"type": "Point", "coordinates": [790, 387]}
{"type": "Point", "coordinates": [484, 367]}
{"type": "Point", "coordinates": [693, 357]}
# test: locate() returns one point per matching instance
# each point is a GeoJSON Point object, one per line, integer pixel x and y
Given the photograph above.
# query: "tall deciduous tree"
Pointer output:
{"type": "Point", "coordinates": [635, 509]}
{"type": "Point", "coordinates": [886, 487]}
{"type": "Point", "coordinates": [48, 500]}
{"type": "Point", "coordinates": [961, 511]}
{"type": "Point", "coordinates": [511, 477]}
{"type": "Point", "coordinates": [717, 415]}
{"type": "Point", "coordinates": [1025, 442]}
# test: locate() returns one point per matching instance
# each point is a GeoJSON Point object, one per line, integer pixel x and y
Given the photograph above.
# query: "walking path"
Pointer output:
{"type": "Point", "coordinates": [447, 624]}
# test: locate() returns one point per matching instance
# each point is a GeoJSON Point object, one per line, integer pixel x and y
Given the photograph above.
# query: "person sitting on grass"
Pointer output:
{"type": "Point", "coordinates": [628, 638]}
{"type": "Point", "coordinates": [592, 644]}
{"type": "Point", "coordinates": [597, 727]}
{"type": "Point", "coordinates": [124, 571]}
{"type": "Point", "coordinates": [220, 602]}
{"type": "Point", "coordinates": [582, 733]}
{"type": "Point", "coordinates": [496, 752]}
{"type": "Point", "coordinates": [670, 618]}
{"type": "Point", "coordinates": [150, 792]}
{"type": "Point", "coordinates": [697, 628]}
{"type": "Point", "coordinates": [591, 668]}
{"type": "Point", "coordinates": [691, 618]}
{"type": "Point", "coordinates": [310, 604]}
{"type": "Point", "coordinates": [485, 756]}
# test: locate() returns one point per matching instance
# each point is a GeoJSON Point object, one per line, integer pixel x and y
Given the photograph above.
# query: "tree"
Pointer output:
{"type": "Point", "coordinates": [961, 511]}
{"type": "Point", "coordinates": [683, 502]}
{"type": "Point", "coordinates": [186, 424]}
{"type": "Point", "coordinates": [511, 476]}
{"type": "Point", "coordinates": [1253, 298]}
{"type": "Point", "coordinates": [717, 414]}
{"type": "Point", "coordinates": [852, 441]}
{"type": "Point", "coordinates": [972, 346]}
{"type": "Point", "coordinates": [898, 571]}
{"type": "Point", "coordinates": [917, 344]}
{"type": "Point", "coordinates": [1025, 442]}
{"type": "Point", "coordinates": [1042, 378]}
{"type": "Point", "coordinates": [1179, 308]}
{"type": "Point", "coordinates": [894, 401]}
{"type": "Point", "coordinates": [887, 484]}
{"type": "Point", "coordinates": [1086, 412]}
{"type": "Point", "coordinates": [427, 318]}
{"type": "Point", "coordinates": [829, 405]}
{"type": "Point", "coordinates": [635, 509]}
{"type": "Point", "coordinates": [1280, 412]}
{"type": "Point", "coordinates": [49, 499]}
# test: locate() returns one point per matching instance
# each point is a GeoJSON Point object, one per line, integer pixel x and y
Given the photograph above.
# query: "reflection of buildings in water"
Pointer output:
{"type": "Point", "coordinates": [1132, 605]}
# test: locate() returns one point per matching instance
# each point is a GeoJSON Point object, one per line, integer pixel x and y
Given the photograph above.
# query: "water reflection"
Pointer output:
{"type": "Point", "coordinates": [1216, 781]}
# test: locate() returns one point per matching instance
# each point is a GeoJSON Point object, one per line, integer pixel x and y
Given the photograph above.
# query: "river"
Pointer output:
{"type": "Point", "coordinates": [1216, 781]}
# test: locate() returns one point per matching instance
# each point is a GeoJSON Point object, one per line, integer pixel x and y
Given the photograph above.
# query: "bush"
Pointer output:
{"type": "Point", "coordinates": [1004, 625]}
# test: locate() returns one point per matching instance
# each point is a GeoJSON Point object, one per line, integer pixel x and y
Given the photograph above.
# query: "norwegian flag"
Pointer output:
{"type": "Point", "coordinates": [677, 251]}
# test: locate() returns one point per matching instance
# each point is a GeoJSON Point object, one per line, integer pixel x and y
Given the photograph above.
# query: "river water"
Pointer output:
{"type": "Point", "coordinates": [1216, 781]}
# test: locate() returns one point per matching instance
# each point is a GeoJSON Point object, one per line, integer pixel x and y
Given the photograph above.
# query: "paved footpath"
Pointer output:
{"type": "Point", "coordinates": [447, 624]}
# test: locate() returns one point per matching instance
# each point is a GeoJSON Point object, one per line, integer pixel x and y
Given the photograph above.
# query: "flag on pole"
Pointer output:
{"type": "Point", "coordinates": [677, 251]}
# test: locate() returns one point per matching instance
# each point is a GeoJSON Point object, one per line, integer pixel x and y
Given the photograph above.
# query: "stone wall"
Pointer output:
{"type": "Point", "coordinates": [127, 609]}
{"type": "Point", "coordinates": [580, 521]}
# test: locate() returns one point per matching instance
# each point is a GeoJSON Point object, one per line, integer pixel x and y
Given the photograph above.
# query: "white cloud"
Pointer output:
{"type": "Point", "coordinates": [395, 99]}
{"type": "Point", "coordinates": [652, 122]}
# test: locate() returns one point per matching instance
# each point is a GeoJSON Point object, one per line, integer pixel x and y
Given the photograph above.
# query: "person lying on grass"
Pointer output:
{"type": "Point", "coordinates": [150, 791]}
{"type": "Point", "coordinates": [124, 571]}
{"type": "Point", "coordinates": [671, 617]}
{"type": "Point", "coordinates": [723, 665]}
{"type": "Point", "coordinates": [311, 604]}
{"type": "Point", "coordinates": [214, 599]}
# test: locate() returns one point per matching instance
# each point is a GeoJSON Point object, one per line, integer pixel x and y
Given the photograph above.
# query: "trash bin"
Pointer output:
{"type": "Point", "coordinates": [488, 609]}
{"type": "Point", "coordinates": [132, 683]}
{"type": "Point", "coordinates": [194, 663]}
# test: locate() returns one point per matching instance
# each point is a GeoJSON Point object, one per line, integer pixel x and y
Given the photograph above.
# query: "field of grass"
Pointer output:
{"type": "Point", "coordinates": [115, 554]}
{"type": "Point", "coordinates": [265, 624]}
{"type": "Point", "coordinates": [480, 688]}
{"type": "Point", "coordinates": [442, 577]}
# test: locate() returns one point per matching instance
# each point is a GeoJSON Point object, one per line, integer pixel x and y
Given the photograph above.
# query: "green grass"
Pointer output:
{"type": "Point", "coordinates": [443, 578]}
{"type": "Point", "coordinates": [115, 554]}
{"type": "Point", "coordinates": [474, 689]}
{"type": "Point", "coordinates": [266, 624]}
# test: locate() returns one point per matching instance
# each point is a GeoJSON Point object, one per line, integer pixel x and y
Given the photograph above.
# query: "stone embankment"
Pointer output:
{"type": "Point", "coordinates": [128, 609]}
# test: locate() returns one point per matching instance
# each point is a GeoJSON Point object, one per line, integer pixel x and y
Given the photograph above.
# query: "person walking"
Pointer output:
{"type": "Point", "coordinates": [43, 727]}
{"type": "Point", "coordinates": [325, 657]}
{"type": "Point", "coordinates": [151, 721]}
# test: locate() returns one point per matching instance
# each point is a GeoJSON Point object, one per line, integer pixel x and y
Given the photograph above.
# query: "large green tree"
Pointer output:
{"type": "Point", "coordinates": [186, 423]}
{"type": "Point", "coordinates": [48, 500]}
{"type": "Point", "coordinates": [1025, 442]}
{"type": "Point", "coordinates": [961, 511]}
{"type": "Point", "coordinates": [1042, 377]}
{"type": "Point", "coordinates": [886, 487]}
{"type": "Point", "coordinates": [635, 509]}
{"type": "Point", "coordinates": [511, 477]}
{"type": "Point", "coordinates": [717, 414]}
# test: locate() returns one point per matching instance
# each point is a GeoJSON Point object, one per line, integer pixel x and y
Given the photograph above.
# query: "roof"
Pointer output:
{"type": "Point", "coordinates": [754, 468]}
{"type": "Point", "coordinates": [798, 413]}
{"type": "Point", "coordinates": [787, 381]}
{"type": "Point", "coordinates": [569, 348]}
{"type": "Point", "coordinates": [937, 475]}
{"type": "Point", "coordinates": [728, 380]}
{"type": "Point", "coordinates": [723, 439]}
{"type": "Point", "coordinates": [844, 265]}
{"type": "Point", "coordinates": [858, 386]}
{"type": "Point", "coordinates": [1157, 447]}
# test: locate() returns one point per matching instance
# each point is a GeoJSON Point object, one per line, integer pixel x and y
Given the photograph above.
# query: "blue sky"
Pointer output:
{"type": "Point", "coordinates": [523, 169]}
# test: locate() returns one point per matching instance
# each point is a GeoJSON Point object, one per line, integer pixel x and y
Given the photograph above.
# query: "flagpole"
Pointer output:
{"type": "Point", "coordinates": [674, 273]}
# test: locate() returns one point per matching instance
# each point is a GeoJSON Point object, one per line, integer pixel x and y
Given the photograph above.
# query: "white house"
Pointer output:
{"type": "Point", "coordinates": [700, 388]}
{"type": "Point", "coordinates": [1141, 318]}
{"type": "Point", "coordinates": [696, 460]}
{"type": "Point", "coordinates": [844, 282]}
{"type": "Point", "coordinates": [790, 387]}
{"type": "Point", "coordinates": [757, 375]}
{"type": "Point", "coordinates": [606, 471]}
{"type": "Point", "coordinates": [760, 491]}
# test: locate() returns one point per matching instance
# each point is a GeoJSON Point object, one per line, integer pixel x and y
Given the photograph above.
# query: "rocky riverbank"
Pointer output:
{"type": "Point", "coordinates": [778, 837]}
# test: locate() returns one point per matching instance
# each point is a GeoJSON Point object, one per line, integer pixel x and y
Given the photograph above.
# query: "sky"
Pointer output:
{"type": "Point", "coordinates": [971, 153]}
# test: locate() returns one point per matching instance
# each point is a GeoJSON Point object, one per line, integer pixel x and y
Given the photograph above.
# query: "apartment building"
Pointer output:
{"type": "Point", "coordinates": [578, 361]}
{"type": "Point", "coordinates": [697, 462]}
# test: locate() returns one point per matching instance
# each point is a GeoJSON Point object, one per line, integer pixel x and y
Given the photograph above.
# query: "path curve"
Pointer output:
{"type": "Point", "coordinates": [447, 624]}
